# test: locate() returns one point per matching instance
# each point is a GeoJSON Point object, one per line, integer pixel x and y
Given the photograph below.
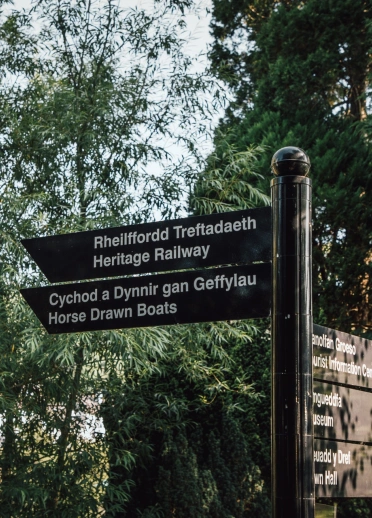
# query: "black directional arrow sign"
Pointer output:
{"type": "Point", "coordinates": [230, 293]}
{"type": "Point", "coordinates": [196, 242]}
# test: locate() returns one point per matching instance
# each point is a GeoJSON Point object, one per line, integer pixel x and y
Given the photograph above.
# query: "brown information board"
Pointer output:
{"type": "Point", "coordinates": [342, 413]}
{"type": "Point", "coordinates": [341, 358]}
{"type": "Point", "coordinates": [342, 469]}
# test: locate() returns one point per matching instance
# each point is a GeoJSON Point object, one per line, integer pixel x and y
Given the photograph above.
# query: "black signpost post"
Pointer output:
{"type": "Point", "coordinates": [292, 429]}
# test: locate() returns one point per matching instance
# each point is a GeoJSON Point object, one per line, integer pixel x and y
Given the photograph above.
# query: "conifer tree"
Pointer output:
{"type": "Point", "coordinates": [299, 72]}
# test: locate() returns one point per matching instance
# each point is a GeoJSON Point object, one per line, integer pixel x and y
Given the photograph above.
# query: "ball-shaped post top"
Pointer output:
{"type": "Point", "coordinates": [290, 161]}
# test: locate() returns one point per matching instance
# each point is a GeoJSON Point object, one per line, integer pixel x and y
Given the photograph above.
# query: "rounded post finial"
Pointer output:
{"type": "Point", "coordinates": [290, 161]}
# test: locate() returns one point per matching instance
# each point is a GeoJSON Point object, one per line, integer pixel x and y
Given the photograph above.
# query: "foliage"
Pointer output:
{"type": "Point", "coordinates": [97, 423]}
{"type": "Point", "coordinates": [187, 424]}
{"type": "Point", "coordinates": [192, 425]}
{"type": "Point", "coordinates": [300, 73]}
{"type": "Point", "coordinates": [90, 98]}
{"type": "Point", "coordinates": [308, 89]}
{"type": "Point", "coordinates": [294, 55]}
{"type": "Point", "coordinates": [187, 428]}
{"type": "Point", "coordinates": [227, 182]}
{"type": "Point", "coordinates": [109, 92]}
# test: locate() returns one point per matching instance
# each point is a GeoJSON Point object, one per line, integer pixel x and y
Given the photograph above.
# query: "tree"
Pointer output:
{"type": "Point", "coordinates": [85, 110]}
{"type": "Point", "coordinates": [185, 428]}
{"type": "Point", "coordinates": [100, 107]}
{"type": "Point", "coordinates": [303, 85]}
{"type": "Point", "coordinates": [299, 72]}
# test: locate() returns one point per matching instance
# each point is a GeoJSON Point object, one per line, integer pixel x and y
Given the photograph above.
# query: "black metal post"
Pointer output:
{"type": "Point", "coordinates": [292, 382]}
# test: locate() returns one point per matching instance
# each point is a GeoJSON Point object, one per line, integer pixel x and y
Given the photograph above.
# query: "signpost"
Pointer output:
{"type": "Point", "coordinates": [291, 328]}
{"type": "Point", "coordinates": [312, 425]}
{"type": "Point", "coordinates": [196, 242]}
{"type": "Point", "coordinates": [233, 292]}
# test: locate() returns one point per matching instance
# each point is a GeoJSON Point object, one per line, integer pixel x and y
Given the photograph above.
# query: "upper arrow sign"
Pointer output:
{"type": "Point", "coordinates": [195, 242]}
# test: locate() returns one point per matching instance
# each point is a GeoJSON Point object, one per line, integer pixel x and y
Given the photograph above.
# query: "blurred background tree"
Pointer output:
{"type": "Point", "coordinates": [91, 97]}
{"type": "Point", "coordinates": [299, 71]}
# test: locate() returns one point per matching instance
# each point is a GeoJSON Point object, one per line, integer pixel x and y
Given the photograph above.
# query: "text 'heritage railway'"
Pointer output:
{"type": "Point", "coordinates": [195, 242]}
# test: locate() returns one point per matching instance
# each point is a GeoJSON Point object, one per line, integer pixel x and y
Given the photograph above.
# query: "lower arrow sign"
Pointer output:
{"type": "Point", "coordinates": [230, 293]}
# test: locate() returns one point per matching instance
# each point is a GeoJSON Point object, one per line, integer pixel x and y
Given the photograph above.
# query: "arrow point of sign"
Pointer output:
{"type": "Point", "coordinates": [46, 254]}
